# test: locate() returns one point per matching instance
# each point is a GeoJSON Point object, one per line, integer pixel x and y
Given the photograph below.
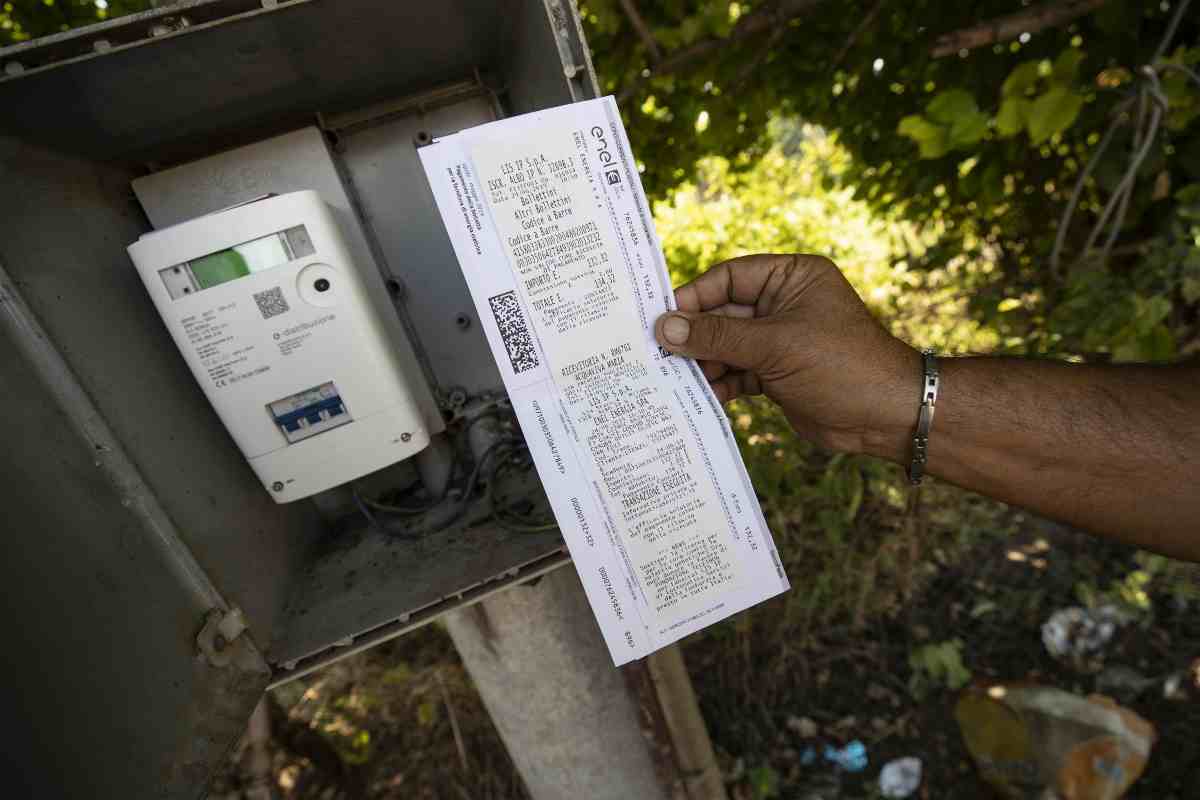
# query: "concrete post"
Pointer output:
{"type": "Point", "coordinates": [564, 712]}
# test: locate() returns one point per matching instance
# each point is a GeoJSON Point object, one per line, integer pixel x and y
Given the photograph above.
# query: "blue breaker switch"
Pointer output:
{"type": "Point", "coordinates": [305, 414]}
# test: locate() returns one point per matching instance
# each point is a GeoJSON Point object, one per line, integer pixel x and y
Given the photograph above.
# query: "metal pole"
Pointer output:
{"type": "Point", "coordinates": [563, 710]}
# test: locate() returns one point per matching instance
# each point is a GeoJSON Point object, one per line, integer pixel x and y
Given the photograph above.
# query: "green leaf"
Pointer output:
{"type": "Point", "coordinates": [1191, 290]}
{"type": "Point", "coordinates": [1065, 66]}
{"type": "Point", "coordinates": [426, 713]}
{"type": "Point", "coordinates": [1158, 344]}
{"type": "Point", "coordinates": [691, 29]}
{"type": "Point", "coordinates": [764, 782]}
{"type": "Point", "coordinates": [855, 490]}
{"type": "Point", "coordinates": [1189, 195]}
{"type": "Point", "coordinates": [968, 129]}
{"type": "Point", "coordinates": [1150, 311]}
{"type": "Point", "coordinates": [933, 140]}
{"type": "Point", "coordinates": [950, 105]}
{"type": "Point", "coordinates": [1020, 80]}
{"type": "Point", "coordinates": [1014, 112]}
{"type": "Point", "coordinates": [1052, 113]}
{"type": "Point", "coordinates": [991, 183]}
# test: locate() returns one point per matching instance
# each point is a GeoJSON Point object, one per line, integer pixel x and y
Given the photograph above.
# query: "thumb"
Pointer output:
{"type": "Point", "coordinates": [736, 341]}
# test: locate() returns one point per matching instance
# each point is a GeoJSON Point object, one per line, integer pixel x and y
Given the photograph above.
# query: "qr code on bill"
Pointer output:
{"type": "Point", "coordinates": [271, 302]}
{"type": "Point", "coordinates": [514, 330]}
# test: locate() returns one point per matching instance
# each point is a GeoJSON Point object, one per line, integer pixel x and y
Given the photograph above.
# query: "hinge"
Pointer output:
{"type": "Point", "coordinates": [218, 640]}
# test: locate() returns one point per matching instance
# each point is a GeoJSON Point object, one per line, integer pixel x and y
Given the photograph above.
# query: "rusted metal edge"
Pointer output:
{"type": "Point", "coordinates": [132, 30]}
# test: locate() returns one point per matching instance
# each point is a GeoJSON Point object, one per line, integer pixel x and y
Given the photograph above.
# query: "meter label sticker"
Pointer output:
{"type": "Point", "coordinates": [225, 358]}
{"type": "Point", "coordinates": [307, 413]}
{"type": "Point", "coordinates": [272, 303]}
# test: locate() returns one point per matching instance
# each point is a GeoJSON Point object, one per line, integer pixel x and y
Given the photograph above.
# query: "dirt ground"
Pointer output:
{"type": "Point", "coordinates": [857, 682]}
{"type": "Point", "coordinates": [403, 721]}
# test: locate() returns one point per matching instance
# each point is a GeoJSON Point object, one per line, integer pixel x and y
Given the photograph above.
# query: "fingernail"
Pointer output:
{"type": "Point", "coordinates": [676, 329]}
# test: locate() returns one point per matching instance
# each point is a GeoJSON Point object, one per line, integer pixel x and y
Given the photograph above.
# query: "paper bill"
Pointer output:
{"type": "Point", "coordinates": [551, 228]}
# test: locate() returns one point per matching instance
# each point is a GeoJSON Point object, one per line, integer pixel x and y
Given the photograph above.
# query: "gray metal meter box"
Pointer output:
{"type": "Point", "coordinates": [153, 587]}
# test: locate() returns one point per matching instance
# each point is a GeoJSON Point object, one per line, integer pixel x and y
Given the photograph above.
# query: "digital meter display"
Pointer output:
{"type": "Point", "coordinates": [214, 269]}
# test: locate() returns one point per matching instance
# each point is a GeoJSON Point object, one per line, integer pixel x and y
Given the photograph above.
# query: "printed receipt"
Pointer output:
{"type": "Point", "coordinates": [551, 228]}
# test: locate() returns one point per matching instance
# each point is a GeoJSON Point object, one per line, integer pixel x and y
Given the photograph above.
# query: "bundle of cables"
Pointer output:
{"type": "Point", "coordinates": [505, 454]}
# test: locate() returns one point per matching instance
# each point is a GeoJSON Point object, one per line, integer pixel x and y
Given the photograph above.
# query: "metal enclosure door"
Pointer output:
{"type": "Point", "coordinates": [121, 493]}
{"type": "Point", "coordinates": [120, 705]}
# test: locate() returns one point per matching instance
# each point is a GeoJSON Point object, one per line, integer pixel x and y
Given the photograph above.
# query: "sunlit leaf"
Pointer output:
{"type": "Point", "coordinates": [1011, 119]}
{"type": "Point", "coordinates": [968, 129]}
{"type": "Point", "coordinates": [1066, 66]}
{"type": "Point", "coordinates": [933, 140]}
{"type": "Point", "coordinates": [1052, 113]}
{"type": "Point", "coordinates": [1020, 80]}
{"type": "Point", "coordinates": [950, 105]}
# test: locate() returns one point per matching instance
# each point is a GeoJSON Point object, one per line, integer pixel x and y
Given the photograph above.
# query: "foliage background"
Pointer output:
{"type": "Point", "coordinates": [983, 147]}
{"type": "Point", "coordinates": [938, 184]}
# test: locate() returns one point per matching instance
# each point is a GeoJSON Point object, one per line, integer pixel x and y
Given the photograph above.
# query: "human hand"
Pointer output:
{"type": "Point", "coordinates": [792, 328]}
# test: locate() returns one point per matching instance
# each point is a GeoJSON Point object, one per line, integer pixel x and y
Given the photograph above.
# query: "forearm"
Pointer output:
{"type": "Point", "coordinates": [1113, 450]}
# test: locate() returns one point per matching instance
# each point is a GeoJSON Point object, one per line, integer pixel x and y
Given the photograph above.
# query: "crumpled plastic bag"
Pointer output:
{"type": "Point", "coordinates": [900, 778]}
{"type": "Point", "coordinates": [1032, 741]}
{"type": "Point", "coordinates": [1081, 637]}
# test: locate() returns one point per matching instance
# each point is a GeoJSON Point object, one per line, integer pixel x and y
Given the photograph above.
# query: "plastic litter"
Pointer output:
{"type": "Point", "coordinates": [851, 758]}
{"type": "Point", "coordinates": [901, 777]}
{"type": "Point", "coordinates": [1035, 741]}
{"type": "Point", "coordinates": [1183, 686]}
{"type": "Point", "coordinates": [1080, 636]}
{"type": "Point", "coordinates": [803, 726]}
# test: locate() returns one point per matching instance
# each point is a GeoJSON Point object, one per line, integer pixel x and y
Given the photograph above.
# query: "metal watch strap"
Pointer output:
{"type": "Point", "coordinates": [929, 393]}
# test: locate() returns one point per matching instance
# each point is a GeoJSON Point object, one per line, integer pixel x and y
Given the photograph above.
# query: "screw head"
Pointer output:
{"type": "Point", "coordinates": [463, 321]}
{"type": "Point", "coordinates": [277, 486]}
{"type": "Point", "coordinates": [404, 437]}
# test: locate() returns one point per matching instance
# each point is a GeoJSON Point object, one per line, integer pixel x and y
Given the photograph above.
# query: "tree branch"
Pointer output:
{"type": "Point", "coordinates": [643, 30]}
{"type": "Point", "coordinates": [858, 31]}
{"type": "Point", "coordinates": [1002, 29]}
{"type": "Point", "coordinates": [778, 14]}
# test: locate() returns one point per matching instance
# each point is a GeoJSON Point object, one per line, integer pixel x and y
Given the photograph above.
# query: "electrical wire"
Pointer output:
{"type": "Point", "coordinates": [493, 462]}
{"type": "Point", "coordinates": [366, 511]}
{"type": "Point", "coordinates": [393, 508]}
{"type": "Point", "coordinates": [513, 522]}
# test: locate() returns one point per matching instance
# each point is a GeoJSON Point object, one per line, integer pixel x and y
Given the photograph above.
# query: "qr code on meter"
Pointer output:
{"type": "Point", "coordinates": [271, 302]}
{"type": "Point", "coordinates": [514, 330]}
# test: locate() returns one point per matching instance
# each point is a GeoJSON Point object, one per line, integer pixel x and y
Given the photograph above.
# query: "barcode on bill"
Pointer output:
{"type": "Point", "coordinates": [271, 302]}
{"type": "Point", "coordinates": [514, 331]}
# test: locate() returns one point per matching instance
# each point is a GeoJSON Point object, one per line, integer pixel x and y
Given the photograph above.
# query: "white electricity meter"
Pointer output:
{"type": "Point", "coordinates": [269, 311]}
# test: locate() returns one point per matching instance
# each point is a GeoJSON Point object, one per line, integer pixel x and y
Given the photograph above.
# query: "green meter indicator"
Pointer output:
{"type": "Point", "coordinates": [223, 266]}
{"type": "Point", "coordinates": [218, 268]}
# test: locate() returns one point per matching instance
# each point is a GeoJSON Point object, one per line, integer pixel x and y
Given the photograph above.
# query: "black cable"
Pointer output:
{"type": "Point", "coordinates": [492, 460]}
{"type": "Point", "coordinates": [392, 508]}
{"type": "Point", "coordinates": [506, 519]}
